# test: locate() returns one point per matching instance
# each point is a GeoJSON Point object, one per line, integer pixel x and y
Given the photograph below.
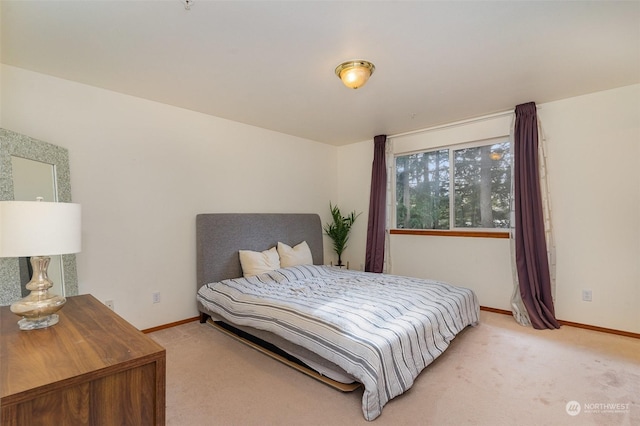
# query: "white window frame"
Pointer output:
{"type": "Point", "coordinates": [451, 148]}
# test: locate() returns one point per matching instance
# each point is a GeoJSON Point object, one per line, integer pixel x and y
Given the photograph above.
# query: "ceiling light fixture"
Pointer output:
{"type": "Point", "coordinates": [354, 74]}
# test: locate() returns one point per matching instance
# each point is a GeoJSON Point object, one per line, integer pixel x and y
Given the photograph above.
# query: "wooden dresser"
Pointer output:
{"type": "Point", "coordinates": [92, 368]}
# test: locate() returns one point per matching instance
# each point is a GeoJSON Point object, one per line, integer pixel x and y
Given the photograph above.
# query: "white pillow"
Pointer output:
{"type": "Point", "coordinates": [298, 255]}
{"type": "Point", "coordinates": [256, 263]}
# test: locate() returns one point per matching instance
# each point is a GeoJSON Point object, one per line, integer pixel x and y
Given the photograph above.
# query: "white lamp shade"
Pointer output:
{"type": "Point", "coordinates": [38, 228]}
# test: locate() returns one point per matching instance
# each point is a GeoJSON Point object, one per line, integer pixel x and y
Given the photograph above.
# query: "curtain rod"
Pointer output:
{"type": "Point", "coordinates": [454, 124]}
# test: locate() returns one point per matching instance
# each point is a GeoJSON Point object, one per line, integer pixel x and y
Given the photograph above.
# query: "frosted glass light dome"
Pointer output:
{"type": "Point", "coordinates": [354, 74]}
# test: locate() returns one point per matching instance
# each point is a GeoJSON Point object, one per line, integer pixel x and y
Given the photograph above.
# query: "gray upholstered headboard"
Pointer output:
{"type": "Point", "coordinates": [219, 236]}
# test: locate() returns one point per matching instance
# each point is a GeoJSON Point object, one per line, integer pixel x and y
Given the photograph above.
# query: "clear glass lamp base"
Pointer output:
{"type": "Point", "coordinates": [38, 308]}
{"type": "Point", "coordinates": [36, 323]}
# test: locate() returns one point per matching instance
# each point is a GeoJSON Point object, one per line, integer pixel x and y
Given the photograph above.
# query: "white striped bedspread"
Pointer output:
{"type": "Point", "coordinates": [381, 329]}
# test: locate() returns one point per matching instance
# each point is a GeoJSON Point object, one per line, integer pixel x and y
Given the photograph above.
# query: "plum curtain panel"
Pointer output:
{"type": "Point", "coordinates": [374, 261]}
{"type": "Point", "coordinates": [533, 276]}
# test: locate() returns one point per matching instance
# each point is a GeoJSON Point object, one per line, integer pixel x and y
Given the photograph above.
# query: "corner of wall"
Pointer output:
{"type": "Point", "coordinates": [354, 181]}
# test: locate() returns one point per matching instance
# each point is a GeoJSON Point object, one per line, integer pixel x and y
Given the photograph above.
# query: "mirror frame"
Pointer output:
{"type": "Point", "coordinates": [15, 144]}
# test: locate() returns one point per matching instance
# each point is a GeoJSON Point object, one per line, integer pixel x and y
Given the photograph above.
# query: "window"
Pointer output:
{"type": "Point", "coordinates": [478, 175]}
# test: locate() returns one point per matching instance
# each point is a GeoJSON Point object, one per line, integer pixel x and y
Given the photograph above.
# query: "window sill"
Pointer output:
{"type": "Point", "coordinates": [447, 233]}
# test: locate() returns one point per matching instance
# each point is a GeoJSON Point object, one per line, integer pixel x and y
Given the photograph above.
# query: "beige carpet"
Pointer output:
{"type": "Point", "coordinates": [497, 373]}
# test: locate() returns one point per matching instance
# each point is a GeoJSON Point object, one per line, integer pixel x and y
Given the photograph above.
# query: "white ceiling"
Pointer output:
{"type": "Point", "coordinates": [271, 63]}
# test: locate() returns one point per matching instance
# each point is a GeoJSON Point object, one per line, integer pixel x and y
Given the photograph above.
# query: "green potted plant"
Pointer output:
{"type": "Point", "coordinates": [338, 230]}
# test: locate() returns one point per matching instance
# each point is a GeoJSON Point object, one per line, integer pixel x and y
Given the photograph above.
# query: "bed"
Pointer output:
{"type": "Point", "coordinates": [351, 326]}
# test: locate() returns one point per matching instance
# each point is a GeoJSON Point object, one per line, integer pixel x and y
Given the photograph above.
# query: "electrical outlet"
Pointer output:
{"type": "Point", "coordinates": [110, 304]}
{"type": "Point", "coordinates": [586, 295]}
{"type": "Point", "coordinates": [156, 297]}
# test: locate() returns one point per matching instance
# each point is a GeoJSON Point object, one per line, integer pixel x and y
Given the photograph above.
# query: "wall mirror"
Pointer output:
{"type": "Point", "coordinates": [30, 168]}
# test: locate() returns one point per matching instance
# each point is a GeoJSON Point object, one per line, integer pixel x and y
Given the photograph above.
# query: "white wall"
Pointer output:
{"type": "Point", "coordinates": [354, 183]}
{"type": "Point", "coordinates": [143, 170]}
{"type": "Point", "coordinates": [593, 147]}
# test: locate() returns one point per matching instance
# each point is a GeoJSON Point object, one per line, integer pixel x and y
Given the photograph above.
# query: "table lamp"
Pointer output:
{"type": "Point", "coordinates": [38, 229]}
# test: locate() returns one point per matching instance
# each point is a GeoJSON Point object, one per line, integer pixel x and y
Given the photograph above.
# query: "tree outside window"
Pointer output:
{"type": "Point", "coordinates": [481, 187]}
